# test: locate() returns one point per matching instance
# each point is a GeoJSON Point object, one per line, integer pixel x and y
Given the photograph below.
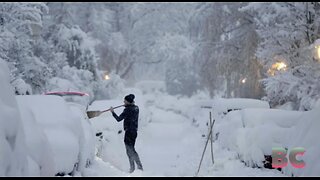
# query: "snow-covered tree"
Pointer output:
{"type": "Point", "coordinates": [299, 85]}
{"type": "Point", "coordinates": [226, 43]}
{"type": "Point", "coordinates": [288, 31]}
{"type": "Point", "coordinates": [285, 29]}
{"type": "Point", "coordinates": [21, 25]}
{"type": "Point", "coordinates": [70, 50]}
{"type": "Point", "coordinates": [78, 47]}
{"type": "Point", "coordinates": [176, 50]}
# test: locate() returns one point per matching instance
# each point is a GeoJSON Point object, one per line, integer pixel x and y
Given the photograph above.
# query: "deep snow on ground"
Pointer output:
{"type": "Point", "coordinates": [170, 143]}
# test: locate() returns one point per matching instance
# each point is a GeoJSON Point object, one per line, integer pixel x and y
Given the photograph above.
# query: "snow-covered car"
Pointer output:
{"type": "Point", "coordinates": [88, 144]}
{"type": "Point", "coordinates": [73, 96]}
{"type": "Point", "coordinates": [78, 103]}
{"type": "Point", "coordinates": [41, 161]}
{"type": "Point", "coordinates": [66, 136]}
{"type": "Point", "coordinates": [222, 106]}
{"type": "Point", "coordinates": [13, 150]}
{"type": "Point", "coordinates": [253, 132]}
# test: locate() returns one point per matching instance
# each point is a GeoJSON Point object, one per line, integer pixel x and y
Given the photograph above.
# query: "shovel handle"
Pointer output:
{"type": "Point", "coordinates": [110, 109]}
{"type": "Point", "coordinates": [92, 114]}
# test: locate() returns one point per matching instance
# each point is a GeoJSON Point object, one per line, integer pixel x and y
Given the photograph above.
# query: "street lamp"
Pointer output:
{"type": "Point", "coordinates": [106, 77]}
{"type": "Point", "coordinates": [278, 66]}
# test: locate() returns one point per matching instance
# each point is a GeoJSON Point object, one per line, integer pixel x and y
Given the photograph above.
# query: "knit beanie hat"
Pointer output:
{"type": "Point", "coordinates": [129, 98]}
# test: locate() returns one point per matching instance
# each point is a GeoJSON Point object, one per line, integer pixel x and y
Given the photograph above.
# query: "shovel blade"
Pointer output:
{"type": "Point", "coordinates": [92, 114]}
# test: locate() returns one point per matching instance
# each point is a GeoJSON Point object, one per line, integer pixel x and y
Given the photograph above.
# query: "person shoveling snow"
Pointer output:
{"type": "Point", "coordinates": [130, 125]}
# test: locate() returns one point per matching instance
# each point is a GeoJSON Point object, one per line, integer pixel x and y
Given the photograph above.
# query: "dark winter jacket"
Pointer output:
{"type": "Point", "coordinates": [130, 115]}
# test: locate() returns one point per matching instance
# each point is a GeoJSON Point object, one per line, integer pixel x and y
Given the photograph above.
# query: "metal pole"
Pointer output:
{"type": "Point", "coordinates": [205, 148]}
{"type": "Point", "coordinates": [211, 124]}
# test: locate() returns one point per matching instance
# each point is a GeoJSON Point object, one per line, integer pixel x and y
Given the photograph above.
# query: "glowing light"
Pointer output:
{"type": "Point", "coordinates": [279, 66]}
{"type": "Point", "coordinates": [318, 52]}
{"type": "Point", "coordinates": [243, 80]}
{"type": "Point", "coordinates": [106, 77]}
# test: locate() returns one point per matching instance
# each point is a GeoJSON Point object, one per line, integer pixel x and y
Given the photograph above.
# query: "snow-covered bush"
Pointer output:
{"type": "Point", "coordinates": [73, 79]}
{"type": "Point", "coordinates": [21, 87]}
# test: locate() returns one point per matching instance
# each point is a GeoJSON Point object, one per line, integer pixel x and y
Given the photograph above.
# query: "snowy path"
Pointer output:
{"type": "Point", "coordinates": [170, 146]}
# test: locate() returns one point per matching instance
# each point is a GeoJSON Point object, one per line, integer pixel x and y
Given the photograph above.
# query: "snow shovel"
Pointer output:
{"type": "Point", "coordinates": [92, 114]}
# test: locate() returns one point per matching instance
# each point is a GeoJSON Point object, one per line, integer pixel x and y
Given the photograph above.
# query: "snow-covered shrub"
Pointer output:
{"type": "Point", "coordinates": [21, 87]}
{"type": "Point", "coordinates": [73, 79]}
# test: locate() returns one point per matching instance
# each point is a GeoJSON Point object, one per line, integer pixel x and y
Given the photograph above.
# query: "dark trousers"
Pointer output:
{"type": "Point", "coordinates": [129, 141]}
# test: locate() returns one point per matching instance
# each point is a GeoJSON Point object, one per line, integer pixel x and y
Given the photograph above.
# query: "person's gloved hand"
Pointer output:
{"type": "Point", "coordinates": [111, 109]}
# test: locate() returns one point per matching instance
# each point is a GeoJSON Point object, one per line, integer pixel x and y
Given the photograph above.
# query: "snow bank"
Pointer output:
{"type": "Point", "coordinates": [13, 157]}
